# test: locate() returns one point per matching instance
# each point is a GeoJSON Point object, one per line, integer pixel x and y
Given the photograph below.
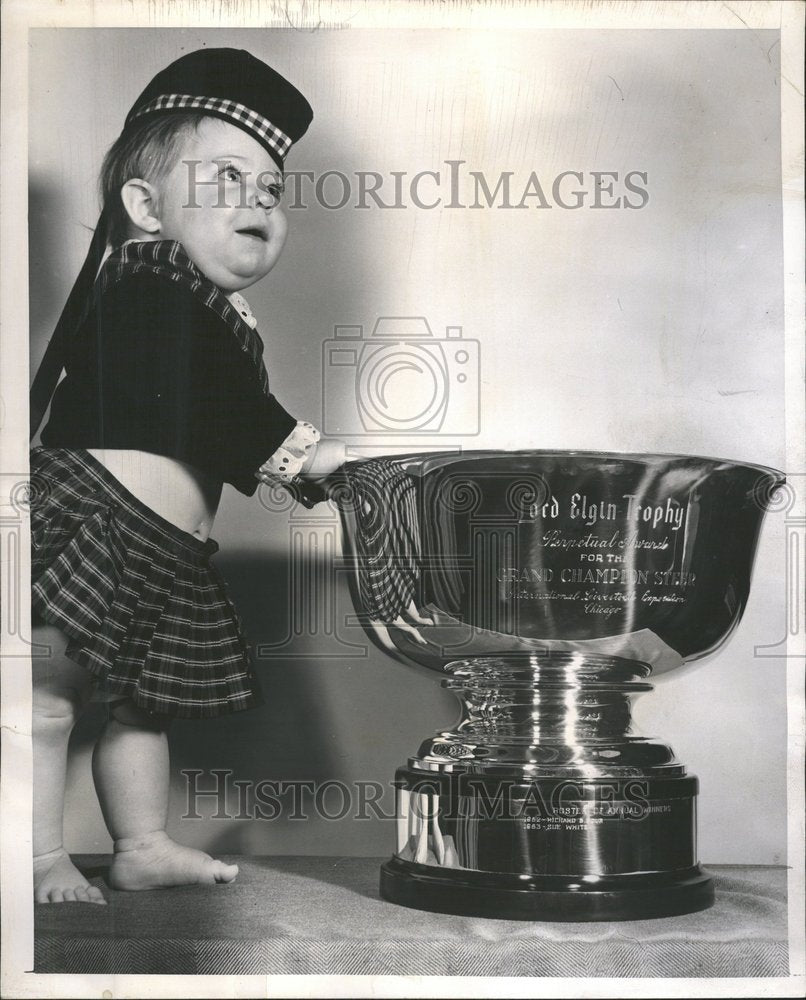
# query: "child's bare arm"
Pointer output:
{"type": "Point", "coordinates": [327, 455]}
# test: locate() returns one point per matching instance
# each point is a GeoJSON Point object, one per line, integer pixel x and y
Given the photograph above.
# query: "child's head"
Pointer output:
{"type": "Point", "coordinates": [204, 182]}
{"type": "Point", "coordinates": [200, 161]}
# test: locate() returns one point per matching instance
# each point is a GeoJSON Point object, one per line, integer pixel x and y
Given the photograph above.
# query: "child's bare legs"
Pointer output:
{"type": "Point", "coordinates": [61, 690]}
{"type": "Point", "coordinates": [130, 766]}
{"type": "Point", "coordinates": [131, 770]}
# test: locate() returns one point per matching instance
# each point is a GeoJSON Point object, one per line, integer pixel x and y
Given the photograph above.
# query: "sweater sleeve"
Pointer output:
{"type": "Point", "coordinates": [174, 377]}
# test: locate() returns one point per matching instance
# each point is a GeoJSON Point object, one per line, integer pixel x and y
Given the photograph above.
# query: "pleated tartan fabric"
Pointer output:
{"type": "Point", "coordinates": [143, 607]}
{"type": "Point", "coordinates": [388, 537]}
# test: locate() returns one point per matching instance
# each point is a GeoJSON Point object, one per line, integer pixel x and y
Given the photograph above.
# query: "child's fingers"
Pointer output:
{"type": "Point", "coordinates": [414, 614]}
{"type": "Point", "coordinates": [400, 623]}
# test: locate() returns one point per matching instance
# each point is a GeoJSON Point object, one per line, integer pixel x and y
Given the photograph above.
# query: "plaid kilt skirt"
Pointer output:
{"type": "Point", "coordinates": [143, 607]}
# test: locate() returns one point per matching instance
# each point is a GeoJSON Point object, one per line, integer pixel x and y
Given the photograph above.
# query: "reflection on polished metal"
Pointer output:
{"type": "Point", "coordinates": [548, 587]}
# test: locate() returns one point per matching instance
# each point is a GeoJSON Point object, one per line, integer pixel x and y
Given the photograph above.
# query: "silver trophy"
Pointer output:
{"type": "Point", "coordinates": [549, 588]}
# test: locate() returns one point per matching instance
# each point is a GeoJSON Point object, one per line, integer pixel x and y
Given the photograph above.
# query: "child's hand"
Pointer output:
{"type": "Point", "coordinates": [326, 456]}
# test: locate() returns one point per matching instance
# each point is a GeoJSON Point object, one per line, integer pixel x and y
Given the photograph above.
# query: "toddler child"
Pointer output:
{"type": "Point", "coordinates": [165, 398]}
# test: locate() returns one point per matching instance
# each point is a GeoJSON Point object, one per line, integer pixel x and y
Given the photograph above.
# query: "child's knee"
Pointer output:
{"type": "Point", "coordinates": [55, 709]}
{"type": "Point", "coordinates": [60, 688]}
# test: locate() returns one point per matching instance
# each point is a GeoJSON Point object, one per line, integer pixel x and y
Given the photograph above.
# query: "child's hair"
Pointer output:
{"type": "Point", "coordinates": [148, 150]}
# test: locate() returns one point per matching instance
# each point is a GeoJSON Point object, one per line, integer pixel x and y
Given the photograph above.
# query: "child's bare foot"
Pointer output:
{"type": "Point", "coordinates": [154, 861]}
{"type": "Point", "coordinates": [57, 880]}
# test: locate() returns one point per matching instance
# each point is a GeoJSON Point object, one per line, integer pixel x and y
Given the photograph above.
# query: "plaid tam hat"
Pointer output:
{"type": "Point", "coordinates": [230, 84]}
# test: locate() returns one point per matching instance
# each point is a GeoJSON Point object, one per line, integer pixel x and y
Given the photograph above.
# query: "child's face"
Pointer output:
{"type": "Point", "coordinates": [220, 203]}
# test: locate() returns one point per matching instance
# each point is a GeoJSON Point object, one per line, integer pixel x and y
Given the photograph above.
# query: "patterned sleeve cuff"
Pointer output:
{"type": "Point", "coordinates": [286, 463]}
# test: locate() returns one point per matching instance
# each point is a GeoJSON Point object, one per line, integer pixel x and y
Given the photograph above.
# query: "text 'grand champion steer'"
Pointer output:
{"type": "Point", "coordinates": [549, 587]}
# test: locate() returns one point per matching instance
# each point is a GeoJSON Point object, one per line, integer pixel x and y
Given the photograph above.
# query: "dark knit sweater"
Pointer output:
{"type": "Point", "coordinates": [164, 364]}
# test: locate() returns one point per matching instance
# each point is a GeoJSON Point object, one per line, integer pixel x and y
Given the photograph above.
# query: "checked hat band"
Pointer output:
{"type": "Point", "coordinates": [249, 120]}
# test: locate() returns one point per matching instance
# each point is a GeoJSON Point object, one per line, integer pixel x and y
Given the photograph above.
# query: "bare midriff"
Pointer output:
{"type": "Point", "coordinates": [178, 492]}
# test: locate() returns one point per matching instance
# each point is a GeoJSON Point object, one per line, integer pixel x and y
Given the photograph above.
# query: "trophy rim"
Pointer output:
{"type": "Point", "coordinates": [646, 457]}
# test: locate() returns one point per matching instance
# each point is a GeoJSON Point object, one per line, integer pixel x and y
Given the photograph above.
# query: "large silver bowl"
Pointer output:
{"type": "Point", "coordinates": [548, 587]}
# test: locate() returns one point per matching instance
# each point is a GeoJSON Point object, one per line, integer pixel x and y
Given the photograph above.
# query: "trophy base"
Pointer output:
{"type": "Point", "coordinates": [638, 896]}
{"type": "Point", "coordinates": [544, 804]}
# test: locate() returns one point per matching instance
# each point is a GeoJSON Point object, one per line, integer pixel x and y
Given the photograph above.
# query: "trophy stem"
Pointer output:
{"type": "Point", "coordinates": [542, 803]}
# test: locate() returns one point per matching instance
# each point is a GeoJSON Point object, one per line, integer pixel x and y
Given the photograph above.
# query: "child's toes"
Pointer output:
{"type": "Point", "coordinates": [89, 894]}
{"type": "Point", "coordinates": [224, 872]}
{"type": "Point", "coordinates": [57, 880]}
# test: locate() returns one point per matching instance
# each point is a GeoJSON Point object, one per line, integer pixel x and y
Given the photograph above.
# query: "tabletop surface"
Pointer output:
{"type": "Point", "coordinates": [323, 916]}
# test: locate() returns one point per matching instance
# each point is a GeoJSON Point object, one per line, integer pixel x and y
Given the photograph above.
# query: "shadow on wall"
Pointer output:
{"type": "Point", "coordinates": [338, 712]}
{"type": "Point", "coordinates": [287, 736]}
{"type": "Point", "coordinates": [48, 263]}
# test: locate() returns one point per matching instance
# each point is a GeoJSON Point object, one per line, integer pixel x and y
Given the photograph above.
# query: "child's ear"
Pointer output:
{"type": "Point", "coordinates": [140, 201]}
